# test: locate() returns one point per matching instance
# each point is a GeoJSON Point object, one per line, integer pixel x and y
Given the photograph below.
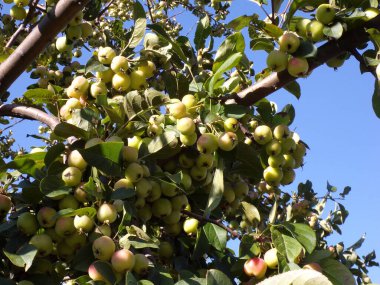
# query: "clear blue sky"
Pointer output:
{"type": "Point", "coordinates": [334, 117]}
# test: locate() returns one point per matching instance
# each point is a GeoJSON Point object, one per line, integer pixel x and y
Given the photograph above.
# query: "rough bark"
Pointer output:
{"type": "Point", "coordinates": [54, 21]}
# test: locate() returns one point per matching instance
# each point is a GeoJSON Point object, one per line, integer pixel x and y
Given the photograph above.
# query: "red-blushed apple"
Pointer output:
{"type": "Point", "coordinates": [255, 267]}
{"type": "Point", "coordinates": [119, 64]}
{"type": "Point", "coordinates": [123, 260]}
{"type": "Point", "coordinates": [186, 126]}
{"type": "Point", "coordinates": [46, 217]}
{"type": "Point", "coordinates": [64, 226]}
{"type": "Point", "coordinates": [83, 223]}
{"type": "Point", "coordinates": [277, 60]}
{"type": "Point", "coordinates": [298, 66]}
{"type": "Point", "coordinates": [207, 143]}
{"type": "Point", "coordinates": [228, 141]}
{"type": "Point", "coordinates": [5, 205]}
{"type": "Point", "coordinates": [94, 274]}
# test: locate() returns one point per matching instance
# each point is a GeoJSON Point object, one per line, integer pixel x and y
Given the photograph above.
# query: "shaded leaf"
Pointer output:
{"type": "Point", "coordinates": [293, 88]}
{"type": "Point", "coordinates": [304, 234]}
{"type": "Point", "coordinates": [23, 257]}
{"type": "Point", "coordinates": [217, 188]}
{"type": "Point", "coordinates": [66, 130]}
{"type": "Point", "coordinates": [139, 26]}
{"type": "Point", "coordinates": [202, 32]}
{"type": "Point", "coordinates": [297, 277]}
{"type": "Point", "coordinates": [216, 277]}
{"type": "Point", "coordinates": [337, 273]}
{"type": "Point", "coordinates": [232, 44]}
{"type": "Point", "coordinates": [251, 212]}
{"type": "Point", "coordinates": [216, 236]}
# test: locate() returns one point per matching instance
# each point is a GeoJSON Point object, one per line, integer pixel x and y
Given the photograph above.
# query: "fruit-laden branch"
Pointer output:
{"type": "Point", "coordinates": [200, 218]}
{"type": "Point", "coordinates": [54, 21]}
{"type": "Point", "coordinates": [347, 43]}
{"type": "Point", "coordinates": [30, 113]}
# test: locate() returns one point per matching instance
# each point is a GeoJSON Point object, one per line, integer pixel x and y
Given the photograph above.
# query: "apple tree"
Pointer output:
{"type": "Point", "coordinates": [158, 149]}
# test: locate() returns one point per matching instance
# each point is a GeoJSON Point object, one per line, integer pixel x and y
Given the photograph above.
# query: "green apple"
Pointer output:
{"type": "Point", "coordinates": [98, 88]}
{"type": "Point", "coordinates": [299, 151]}
{"type": "Point", "coordinates": [134, 172]}
{"type": "Point", "coordinates": [262, 134]}
{"type": "Point", "coordinates": [107, 75]}
{"type": "Point", "coordinates": [106, 55]}
{"type": "Point", "coordinates": [121, 82]}
{"type": "Point", "coordinates": [155, 192]}
{"type": "Point", "coordinates": [151, 41]}
{"type": "Point", "coordinates": [228, 141]}
{"type": "Point", "coordinates": [255, 267]}
{"type": "Point", "coordinates": [231, 125]}
{"type": "Point", "coordinates": [119, 64]}
{"type": "Point", "coordinates": [17, 13]}
{"type": "Point", "coordinates": [148, 68]}
{"type": "Point", "coordinates": [336, 61]}
{"type": "Point", "coordinates": [325, 13]}
{"type": "Point", "coordinates": [185, 161]}
{"type": "Point", "coordinates": [288, 176]}
{"type": "Point", "coordinates": [241, 189]}
{"type": "Point", "coordinates": [273, 175]}
{"type": "Point", "coordinates": [298, 66]}
{"type": "Point", "coordinates": [143, 188]}
{"type": "Point", "coordinates": [301, 27]}
{"type": "Point", "coordinates": [179, 202]}
{"type": "Point", "coordinates": [166, 250]}
{"type": "Point", "coordinates": [205, 160]}
{"type": "Point", "coordinates": [277, 60]}
{"type": "Point", "coordinates": [103, 248]}
{"type": "Point", "coordinates": [198, 173]}
{"type": "Point", "coordinates": [161, 208]}
{"type": "Point", "coordinates": [83, 223]}
{"type": "Point", "coordinates": [46, 217]}
{"type": "Point", "coordinates": [273, 147]}
{"type": "Point", "coordinates": [27, 223]}
{"type": "Point", "coordinates": [75, 159]}
{"type": "Point", "coordinates": [145, 213]}
{"type": "Point", "coordinates": [61, 44]}
{"type": "Point", "coordinates": [77, 240]}
{"type": "Point", "coordinates": [141, 265]}
{"type": "Point", "coordinates": [21, 3]}
{"type": "Point", "coordinates": [177, 110]}
{"type": "Point", "coordinates": [123, 183]}
{"type": "Point", "coordinates": [77, 20]}
{"type": "Point", "coordinates": [207, 143]}
{"type": "Point", "coordinates": [154, 130]}
{"type": "Point", "coordinates": [168, 189]}
{"type": "Point", "coordinates": [43, 243]}
{"type": "Point", "coordinates": [86, 29]}
{"type": "Point", "coordinates": [173, 229]}
{"type": "Point", "coordinates": [276, 161]}
{"type": "Point", "coordinates": [123, 260]}
{"type": "Point", "coordinates": [190, 102]}
{"type": "Point", "coordinates": [289, 162]}
{"type": "Point", "coordinates": [228, 194]}
{"type": "Point", "coordinates": [280, 132]}
{"type": "Point", "coordinates": [288, 145]}
{"type": "Point", "coordinates": [314, 31]}
{"type": "Point", "coordinates": [289, 42]}
{"type": "Point", "coordinates": [138, 80]}
{"type": "Point", "coordinates": [74, 33]}
{"type": "Point", "coordinates": [173, 218]}
{"type": "Point", "coordinates": [71, 176]}
{"type": "Point", "coordinates": [190, 226]}
{"type": "Point", "coordinates": [186, 126]}
{"type": "Point", "coordinates": [188, 140]}
{"type": "Point", "coordinates": [107, 213]}
{"type": "Point", "coordinates": [130, 154]}
{"type": "Point", "coordinates": [270, 258]}
{"type": "Point", "coordinates": [156, 119]}
{"type": "Point", "coordinates": [64, 226]}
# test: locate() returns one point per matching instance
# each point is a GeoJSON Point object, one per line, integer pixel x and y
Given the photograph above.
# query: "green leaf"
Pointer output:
{"type": "Point", "coordinates": [130, 279]}
{"type": "Point", "coordinates": [251, 212]}
{"type": "Point", "coordinates": [231, 45]}
{"type": "Point", "coordinates": [39, 95]}
{"type": "Point", "coordinates": [104, 156]}
{"type": "Point", "coordinates": [286, 245]}
{"type": "Point", "coordinates": [27, 163]}
{"type": "Point", "coordinates": [6, 281]}
{"type": "Point", "coordinates": [163, 35]}
{"type": "Point", "coordinates": [216, 236]}
{"type": "Point", "coordinates": [23, 257]}
{"type": "Point", "coordinates": [337, 273]}
{"type": "Point", "coordinates": [298, 4]}
{"type": "Point", "coordinates": [335, 31]}
{"type": "Point", "coordinates": [216, 277]}
{"type": "Point", "coordinates": [376, 99]}
{"type": "Point", "coordinates": [123, 193]}
{"type": "Point", "coordinates": [248, 247]}
{"type": "Point", "coordinates": [105, 269]}
{"type": "Point", "coordinates": [261, 44]}
{"type": "Point", "coordinates": [53, 186]}
{"type": "Point", "coordinates": [138, 243]}
{"type": "Point", "coordinates": [53, 153]}
{"type": "Point", "coordinates": [159, 142]}
{"type": "Point", "coordinates": [293, 88]}
{"type": "Point", "coordinates": [140, 25]}
{"type": "Point", "coordinates": [93, 65]}
{"type": "Point", "coordinates": [192, 281]}
{"type": "Point", "coordinates": [247, 162]}
{"type": "Point", "coordinates": [202, 32]}
{"type": "Point", "coordinates": [241, 22]}
{"type": "Point", "coordinates": [306, 49]}
{"type": "Point", "coordinates": [228, 64]}
{"type": "Point", "coordinates": [304, 234]}
{"type": "Point", "coordinates": [235, 111]}
{"type": "Point", "coordinates": [300, 276]}
{"type": "Point", "coordinates": [273, 31]}
{"type": "Point", "coordinates": [217, 188]}
{"type": "Point", "coordinates": [88, 211]}
{"type": "Point", "coordinates": [92, 9]}
{"type": "Point", "coordinates": [289, 109]}
{"type": "Point", "coordinates": [66, 130]}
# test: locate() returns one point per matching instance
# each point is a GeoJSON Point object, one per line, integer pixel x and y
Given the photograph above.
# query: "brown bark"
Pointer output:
{"type": "Point", "coordinates": [54, 21]}
{"type": "Point", "coordinates": [348, 42]}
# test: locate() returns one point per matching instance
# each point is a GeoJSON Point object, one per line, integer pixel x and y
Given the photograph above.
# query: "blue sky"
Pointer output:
{"type": "Point", "coordinates": [334, 117]}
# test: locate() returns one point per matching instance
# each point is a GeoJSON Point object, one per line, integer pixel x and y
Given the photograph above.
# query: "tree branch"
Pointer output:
{"type": "Point", "coordinates": [233, 233]}
{"type": "Point", "coordinates": [30, 113]}
{"type": "Point", "coordinates": [37, 40]}
{"type": "Point", "coordinates": [348, 42]}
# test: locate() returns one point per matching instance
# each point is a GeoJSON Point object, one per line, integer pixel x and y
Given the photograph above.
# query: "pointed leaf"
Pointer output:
{"type": "Point", "coordinates": [216, 236]}
{"type": "Point", "coordinates": [139, 26]}
{"type": "Point", "coordinates": [216, 277]}
{"type": "Point", "coordinates": [217, 188]}
{"type": "Point", "coordinates": [232, 44]}
{"type": "Point", "coordinates": [202, 32]}
{"type": "Point", "coordinates": [304, 234]}
{"type": "Point", "coordinates": [251, 212]}
{"type": "Point", "coordinates": [297, 277]}
{"type": "Point", "coordinates": [337, 273]}
{"type": "Point", "coordinates": [23, 257]}
{"type": "Point", "coordinates": [286, 245]}
{"type": "Point", "coordinates": [66, 130]}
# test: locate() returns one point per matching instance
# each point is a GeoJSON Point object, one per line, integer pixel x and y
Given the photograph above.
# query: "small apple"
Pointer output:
{"type": "Point", "coordinates": [241, 189]}
{"type": "Point", "coordinates": [72, 176]}
{"type": "Point", "coordinates": [186, 126]}
{"type": "Point", "coordinates": [280, 132]}
{"type": "Point", "coordinates": [123, 183]}
{"type": "Point", "coordinates": [130, 154]}
{"type": "Point", "coordinates": [161, 208]}
{"type": "Point", "coordinates": [134, 172]}
{"type": "Point", "coordinates": [188, 140]}
{"type": "Point", "coordinates": [288, 176]}
{"type": "Point", "coordinates": [74, 33]}
{"type": "Point", "coordinates": [43, 243]}
{"type": "Point", "coordinates": [179, 202]}
{"type": "Point", "coordinates": [143, 188]}
{"type": "Point", "coordinates": [106, 55]}
{"type": "Point", "coordinates": [273, 175]}
{"type": "Point", "coordinates": [198, 173]}
{"type": "Point", "coordinates": [103, 248]}
{"type": "Point", "coordinates": [166, 250]}
{"type": "Point", "coordinates": [46, 217]}
{"type": "Point", "coordinates": [262, 134]}
{"type": "Point", "coordinates": [123, 260]}
{"type": "Point", "coordinates": [190, 226]}
{"type": "Point", "coordinates": [141, 266]}
{"type": "Point", "coordinates": [94, 274]}
{"type": "Point", "coordinates": [148, 68]}
{"type": "Point", "coordinates": [145, 213]}
{"type": "Point", "coordinates": [138, 80]}
{"type": "Point", "coordinates": [277, 60]}
{"type": "Point", "coordinates": [105, 76]}
{"type": "Point", "coordinates": [5, 205]}
{"type": "Point", "coordinates": [270, 258]}
{"type": "Point", "coordinates": [231, 125]}
{"type": "Point", "coordinates": [273, 147]}
{"type": "Point", "coordinates": [21, 3]}
{"type": "Point", "coordinates": [173, 218]}
{"type": "Point", "coordinates": [276, 161]}
{"type": "Point", "coordinates": [98, 88]}
{"type": "Point", "coordinates": [121, 82]}
{"type": "Point", "coordinates": [61, 44]}
{"type": "Point", "coordinates": [76, 241]}
{"type": "Point", "coordinates": [229, 194]}
{"type": "Point", "coordinates": [17, 13]}
{"type": "Point", "coordinates": [119, 64]}
{"type": "Point", "coordinates": [298, 66]}
{"type": "Point", "coordinates": [77, 19]}
{"type": "Point", "coordinates": [207, 143]}
{"type": "Point", "coordinates": [83, 223]}
{"type": "Point", "coordinates": [289, 162]}
{"type": "Point", "coordinates": [204, 160]}
{"type": "Point", "coordinates": [228, 141]}
{"type": "Point", "coordinates": [190, 102]}
{"type": "Point", "coordinates": [177, 110]}
{"type": "Point", "coordinates": [86, 29]}
{"type": "Point", "coordinates": [288, 145]}
{"type": "Point", "coordinates": [314, 31]}
{"type": "Point", "coordinates": [76, 159]}
{"type": "Point", "coordinates": [64, 226]}
{"type": "Point", "coordinates": [289, 42]}
{"type": "Point", "coordinates": [27, 223]}
{"type": "Point", "coordinates": [255, 267]}
{"type": "Point", "coordinates": [107, 213]}
{"type": "Point", "coordinates": [336, 61]}
{"type": "Point", "coordinates": [325, 13]}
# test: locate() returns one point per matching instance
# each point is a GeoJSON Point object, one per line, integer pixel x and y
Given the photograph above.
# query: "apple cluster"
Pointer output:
{"type": "Point", "coordinates": [257, 267]}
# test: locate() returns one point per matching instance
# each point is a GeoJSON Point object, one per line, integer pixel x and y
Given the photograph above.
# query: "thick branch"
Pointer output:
{"type": "Point", "coordinates": [37, 40]}
{"type": "Point", "coordinates": [348, 42]}
{"type": "Point", "coordinates": [30, 113]}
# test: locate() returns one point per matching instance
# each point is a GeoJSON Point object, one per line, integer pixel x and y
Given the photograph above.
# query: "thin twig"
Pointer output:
{"type": "Point", "coordinates": [105, 8]}
{"type": "Point", "coordinates": [12, 125]}
{"type": "Point", "coordinates": [233, 233]}
{"type": "Point", "coordinates": [150, 11]}
{"type": "Point", "coordinates": [272, 18]}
